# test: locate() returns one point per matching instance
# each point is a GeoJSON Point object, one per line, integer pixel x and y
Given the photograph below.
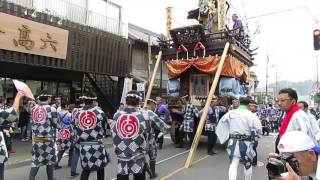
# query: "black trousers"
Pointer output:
{"type": "Point", "coordinates": [212, 140]}
{"type": "Point", "coordinates": [140, 176]}
{"type": "Point", "coordinates": [34, 171]}
{"type": "Point", "coordinates": [265, 130]}
{"type": "Point", "coordinates": [85, 174]}
{"type": "Point", "coordinates": [187, 139]}
{"type": "Point", "coordinates": [61, 152]}
{"type": "Point", "coordinates": [158, 140]}
{"type": "Point", "coordinates": [255, 158]}
{"type": "Point", "coordinates": [275, 126]}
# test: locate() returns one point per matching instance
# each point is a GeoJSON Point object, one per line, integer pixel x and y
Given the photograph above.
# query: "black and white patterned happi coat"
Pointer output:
{"type": "Point", "coordinates": [90, 123]}
{"type": "Point", "coordinates": [65, 132]}
{"type": "Point", "coordinates": [155, 123]}
{"type": "Point", "coordinates": [129, 139]}
{"type": "Point", "coordinates": [189, 113]}
{"type": "Point", "coordinates": [44, 124]}
{"type": "Point", "coordinates": [213, 118]}
{"type": "Point", "coordinates": [74, 126]}
{"type": "Point", "coordinates": [6, 115]}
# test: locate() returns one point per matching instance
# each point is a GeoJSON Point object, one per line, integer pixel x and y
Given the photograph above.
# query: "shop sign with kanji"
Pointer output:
{"type": "Point", "coordinates": [23, 35]}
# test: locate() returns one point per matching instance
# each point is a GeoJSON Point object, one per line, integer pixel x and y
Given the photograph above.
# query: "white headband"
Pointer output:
{"type": "Point", "coordinates": [134, 96]}
{"type": "Point", "coordinates": [86, 97]}
{"type": "Point", "coordinates": [44, 95]}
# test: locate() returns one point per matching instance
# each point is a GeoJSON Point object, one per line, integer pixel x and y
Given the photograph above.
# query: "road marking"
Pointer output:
{"type": "Point", "coordinates": [173, 173]}
{"type": "Point", "coordinates": [176, 155]}
{"type": "Point", "coordinates": [260, 164]}
{"type": "Point", "coordinates": [197, 161]}
{"type": "Point", "coordinates": [164, 160]}
{"type": "Point", "coordinates": [182, 168]}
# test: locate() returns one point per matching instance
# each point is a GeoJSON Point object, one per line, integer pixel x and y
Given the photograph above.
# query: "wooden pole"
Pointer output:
{"type": "Point", "coordinates": [206, 108]}
{"type": "Point", "coordinates": [169, 22]}
{"type": "Point", "coordinates": [222, 14]}
{"type": "Point", "coordinates": [152, 78]}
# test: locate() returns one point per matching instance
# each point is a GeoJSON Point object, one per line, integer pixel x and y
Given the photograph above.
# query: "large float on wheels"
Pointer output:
{"type": "Point", "coordinates": [192, 58]}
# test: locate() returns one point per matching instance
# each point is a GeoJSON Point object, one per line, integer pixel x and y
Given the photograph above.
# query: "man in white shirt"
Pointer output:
{"type": "Point", "coordinates": [239, 125]}
{"type": "Point", "coordinates": [313, 122]}
{"type": "Point", "coordinates": [295, 119]}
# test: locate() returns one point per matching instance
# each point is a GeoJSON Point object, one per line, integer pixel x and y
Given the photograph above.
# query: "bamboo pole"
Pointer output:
{"type": "Point", "coordinates": [206, 108]}
{"type": "Point", "coordinates": [152, 79]}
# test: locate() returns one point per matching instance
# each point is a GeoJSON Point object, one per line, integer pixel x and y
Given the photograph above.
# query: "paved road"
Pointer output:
{"type": "Point", "coordinates": [170, 165]}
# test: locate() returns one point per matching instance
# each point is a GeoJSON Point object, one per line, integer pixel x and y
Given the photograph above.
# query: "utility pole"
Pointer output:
{"type": "Point", "coordinates": [266, 97]}
{"type": "Point", "coordinates": [276, 80]}
{"type": "Point", "coordinates": [149, 57]}
{"type": "Point", "coordinates": [317, 70]}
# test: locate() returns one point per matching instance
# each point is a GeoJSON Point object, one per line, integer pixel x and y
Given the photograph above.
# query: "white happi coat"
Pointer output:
{"type": "Point", "coordinates": [239, 122]}
{"type": "Point", "coordinates": [301, 121]}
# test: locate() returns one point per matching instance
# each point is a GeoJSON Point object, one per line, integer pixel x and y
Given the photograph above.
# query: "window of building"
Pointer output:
{"type": "Point", "coordinates": [7, 88]}
{"type": "Point", "coordinates": [98, 6]}
{"type": "Point", "coordinates": [64, 91]}
{"type": "Point", "coordinates": [113, 11]}
{"type": "Point", "coordinates": [51, 87]}
{"type": "Point", "coordinates": [35, 86]}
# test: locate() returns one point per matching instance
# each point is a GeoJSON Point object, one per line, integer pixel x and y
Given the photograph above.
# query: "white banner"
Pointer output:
{"type": "Point", "coordinates": [127, 86]}
{"type": "Point", "coordinates": [141, 89]}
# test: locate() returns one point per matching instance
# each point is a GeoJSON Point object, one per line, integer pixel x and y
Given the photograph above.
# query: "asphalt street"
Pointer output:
{"type": "Point", "coordinates": [170, 164]}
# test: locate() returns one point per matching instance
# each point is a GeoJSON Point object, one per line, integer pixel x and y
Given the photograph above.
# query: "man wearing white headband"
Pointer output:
{"type": "Point", "coordinates": [153, 122]}
{"type": "Point", "coordinates": [44, 124]}
{"type": "Point", "coordinates": [129, 133]}
{"type": "Point", "coordinates": [90, 131]}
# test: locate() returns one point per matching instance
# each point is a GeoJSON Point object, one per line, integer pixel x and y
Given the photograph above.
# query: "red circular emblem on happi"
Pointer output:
{"type": "Point", "coordinates": [64, 133]}
{"type": "Point", "coordinates": [39, 114]}
{"type": "Point", "coordinates": [128, 126]}
{"type": "Point", "coordinates": [87, 120]}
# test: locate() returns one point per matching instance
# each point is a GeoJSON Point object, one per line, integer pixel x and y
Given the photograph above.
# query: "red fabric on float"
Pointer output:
{"type": "Point", "coordinates": [232, 67]}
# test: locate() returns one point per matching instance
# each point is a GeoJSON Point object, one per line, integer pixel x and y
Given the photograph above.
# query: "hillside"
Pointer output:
{"type": "Point", "coordinates": [304, 88]}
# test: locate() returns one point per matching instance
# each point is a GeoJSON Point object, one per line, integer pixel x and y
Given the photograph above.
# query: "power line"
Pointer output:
{"type": "Point", "coordinates": [245, 16]}
{"type": "Point", "coordinates": [312, 16]}
{"type": "Point", "coordinates": [276, 12]}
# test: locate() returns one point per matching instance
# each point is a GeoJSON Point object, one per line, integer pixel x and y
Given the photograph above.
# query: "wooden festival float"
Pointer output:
{"type": "Point", "coordinates": [203, 60]}
{"type": "Point", "coordinates": [192, 58]}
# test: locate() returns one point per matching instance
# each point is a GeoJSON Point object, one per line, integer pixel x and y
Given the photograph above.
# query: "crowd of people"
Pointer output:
{"type": "Point", "coordinates": [245, 122]}
{"type": "Point", "coordinates": [56, 128]}
{"type": "Point", "coordinates": [137, 132]}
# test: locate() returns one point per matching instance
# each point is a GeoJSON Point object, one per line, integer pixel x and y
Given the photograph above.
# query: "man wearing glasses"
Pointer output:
{"type": "Point", "coordinates": [295, 119]}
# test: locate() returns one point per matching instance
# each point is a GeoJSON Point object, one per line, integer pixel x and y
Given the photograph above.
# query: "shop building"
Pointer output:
{"type": "Point", "coordinates": [65, 56]}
